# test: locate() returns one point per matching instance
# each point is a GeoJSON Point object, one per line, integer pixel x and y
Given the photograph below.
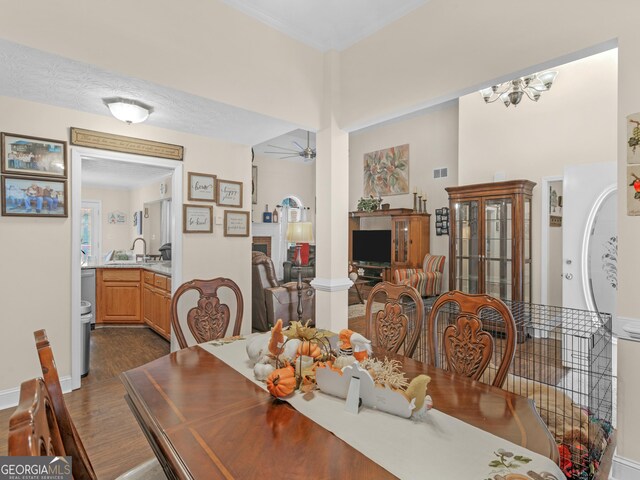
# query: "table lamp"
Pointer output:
{"type": "Point", "coordinates": [299, 233]}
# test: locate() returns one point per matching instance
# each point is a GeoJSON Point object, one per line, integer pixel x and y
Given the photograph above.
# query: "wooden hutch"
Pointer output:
{"type": "Point", "coordinates": [410, 233]}
{"type": "Point", "coordinates": [490, 244]}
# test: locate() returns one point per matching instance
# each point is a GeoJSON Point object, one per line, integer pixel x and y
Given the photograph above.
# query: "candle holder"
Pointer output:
{"type": "Point", "coordinates": [424, 209]}
{"type": "Point", "coordinates": [415, 201]}
{"type": "Point", "coordinates": [419, 203]}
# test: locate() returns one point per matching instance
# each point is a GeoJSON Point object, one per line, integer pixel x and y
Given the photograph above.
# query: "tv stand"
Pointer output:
{"type": "Point", "coordinates": [409, 239]}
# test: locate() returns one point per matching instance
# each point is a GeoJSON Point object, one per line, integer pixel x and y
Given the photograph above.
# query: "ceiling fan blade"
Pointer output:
{"type": "Point", "coordinates": [298, 145]}
{"type": "Point", "coordinates": [290, 156]}
{"type": "Point", "coordinates": [283, 148]}
{"type": "Point", "coordinates": [290, 151]}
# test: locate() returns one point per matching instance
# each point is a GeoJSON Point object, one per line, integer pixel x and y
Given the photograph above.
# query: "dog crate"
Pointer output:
{"type": "Point", "coordinates": [563, 361]}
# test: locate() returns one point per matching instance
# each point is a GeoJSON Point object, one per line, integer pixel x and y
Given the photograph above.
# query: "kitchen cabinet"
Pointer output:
{"type": "Point", "coordinates": [156, 296]}
{"type": "Point", "coordinates": [118, 296]}
{"type": "Point", "coordinates": [490, 245]}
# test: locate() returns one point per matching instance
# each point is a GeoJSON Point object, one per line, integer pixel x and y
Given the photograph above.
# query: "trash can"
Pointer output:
{"type": "Point", "coordinates": [85, 342]}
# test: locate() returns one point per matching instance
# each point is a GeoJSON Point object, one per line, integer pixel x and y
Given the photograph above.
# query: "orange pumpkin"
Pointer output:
{"type": "Point", "coordinates": [310, 349]}
{"type": "Point", "coordinates": [282, 382]}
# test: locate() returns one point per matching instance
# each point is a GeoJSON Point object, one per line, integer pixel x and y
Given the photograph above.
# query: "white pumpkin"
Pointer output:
{"type": "Point", "coordinates": [290, 350]}
{"type": "Point", "coordinates": [263, 369]}
{"type": "Point", "coordinates": [258, 347]}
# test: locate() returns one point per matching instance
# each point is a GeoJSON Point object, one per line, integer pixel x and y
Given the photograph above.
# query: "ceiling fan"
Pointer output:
{"type": "Point", "coordinates": [307, 153]}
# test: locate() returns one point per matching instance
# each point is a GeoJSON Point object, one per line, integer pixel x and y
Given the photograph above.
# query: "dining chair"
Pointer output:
{"type": "Point", "coordinates": [455, 324]}
{"type": "Point", "coordinates": [210, 318]}
{"type": "Point", "coordinates": [33, 429]}
{"type": "Point", "coordinates": [397, 322]}
{"type": "Point", "coordinates": [73, 446]}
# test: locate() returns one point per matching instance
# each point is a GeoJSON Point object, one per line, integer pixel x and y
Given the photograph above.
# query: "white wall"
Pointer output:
{"type": "Point", "coordinates": [140, 196]}
{"type": "Point", "coordinates": [568, 125]}
{"type": "Point", "coordinates": [114, 236]}
{"type": "Point", "coordinates": [35, 253]}
{"type": "Point", "coordinates": [279, 178]}
{"type": "Point", "coordinates": [433, 143]}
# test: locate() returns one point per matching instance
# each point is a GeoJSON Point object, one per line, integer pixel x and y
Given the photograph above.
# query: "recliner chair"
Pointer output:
{"type": "Point", "coordinates": [270, 300]}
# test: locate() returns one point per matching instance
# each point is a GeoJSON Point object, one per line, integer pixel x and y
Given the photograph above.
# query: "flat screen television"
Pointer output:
{"type": "Point", "coordinates": [371, 246]}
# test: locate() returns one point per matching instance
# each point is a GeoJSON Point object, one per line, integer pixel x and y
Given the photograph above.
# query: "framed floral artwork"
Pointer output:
{"type": "Point", "coordinates": [386, 172]}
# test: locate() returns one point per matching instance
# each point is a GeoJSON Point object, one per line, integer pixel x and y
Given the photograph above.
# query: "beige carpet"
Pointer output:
{"type": "Point", "coordinates": [358, 310]}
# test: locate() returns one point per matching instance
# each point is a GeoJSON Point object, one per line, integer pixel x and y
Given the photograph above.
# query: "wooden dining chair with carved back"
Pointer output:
{"type": "Point", "coordinates": [209, 319]}
{"type": "Point", "coordinates": [397, 323]}
{"type": "Point", "coordinates": [33, 428]}
{"type": "Point", "coordinates": [73, 446]}
{"type": "Point", "coordinates": [457, 341]}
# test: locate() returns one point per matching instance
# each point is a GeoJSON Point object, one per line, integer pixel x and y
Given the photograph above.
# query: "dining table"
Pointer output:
{"type": "Point", "coordinates": [206, 418]}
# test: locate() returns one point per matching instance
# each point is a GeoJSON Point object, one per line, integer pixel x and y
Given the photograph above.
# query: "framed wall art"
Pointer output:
{"type": "Point", "coordinates": [197, 218]}
{"type": "Point", "coordinates": [34, 197]}
{"type": "Point", "coordinates": [229, 193]}
{"type": "Point", "coordinates": [254, 184]}
{"type": "Point", "coordinates": [386, 172]}
{"type": "Point", "coordinates": [236, 224]}
{"type": "Point", "coordinates": [23, 155]}
{"type": "Point", "coordinates": [202, 187]}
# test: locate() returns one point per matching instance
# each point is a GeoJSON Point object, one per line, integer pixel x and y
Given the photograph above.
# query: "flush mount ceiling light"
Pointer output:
{"type": "Point", "coordinates": [126, 110]}
{"type": "Point", "coordinates": [512, 92]}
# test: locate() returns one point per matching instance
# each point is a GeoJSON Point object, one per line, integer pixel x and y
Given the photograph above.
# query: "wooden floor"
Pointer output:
{"type": "Point", "coordinates": [107, 427]}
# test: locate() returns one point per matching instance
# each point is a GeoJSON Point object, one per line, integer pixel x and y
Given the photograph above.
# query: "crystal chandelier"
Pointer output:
{"type": "Point", "coordinates": [512, 92]}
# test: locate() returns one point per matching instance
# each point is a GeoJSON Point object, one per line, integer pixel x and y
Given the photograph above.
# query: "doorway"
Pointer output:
{"type": "Point", "coordinates": [78, 156]}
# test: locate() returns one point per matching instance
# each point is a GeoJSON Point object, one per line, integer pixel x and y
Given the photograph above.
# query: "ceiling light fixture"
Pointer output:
{"type": "Point", "coordinates": [512, 92]}
{"type": "Point", "coordinates": [129, 111]}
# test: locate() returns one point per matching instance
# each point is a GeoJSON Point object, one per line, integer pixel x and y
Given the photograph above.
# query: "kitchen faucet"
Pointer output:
{"type": "Point", "coordinates": [144, 248]}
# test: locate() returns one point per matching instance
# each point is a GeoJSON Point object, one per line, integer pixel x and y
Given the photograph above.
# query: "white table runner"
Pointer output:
{"type": "Point", "coordinates": [437, 446]}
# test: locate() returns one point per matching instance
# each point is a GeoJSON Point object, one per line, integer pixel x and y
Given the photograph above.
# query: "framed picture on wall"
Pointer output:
{"type": "Point", "coordinates": [197, 218]}
{"type": "Point", "coordinates": [202, 187]}
{"type": "Point", "coordinates": [236, 224]}
{"type": "Point", "coordinates": [22, 155]}
{"type": "Point", "coordinates": [254, 184]}
{"type": "Point", "coordinates": [229, 193]}
{"type": "Point", "coordinates": [34, 197]}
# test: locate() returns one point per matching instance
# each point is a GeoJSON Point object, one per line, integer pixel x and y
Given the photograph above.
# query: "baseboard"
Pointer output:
{"type": "Point", "coordinates": [9, 398]}
{"type": "Point", "coordinates": [624, 469]}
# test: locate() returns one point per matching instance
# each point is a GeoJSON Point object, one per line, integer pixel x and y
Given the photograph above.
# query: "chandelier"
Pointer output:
{"type": "Point", "coordinates": [512, 92]}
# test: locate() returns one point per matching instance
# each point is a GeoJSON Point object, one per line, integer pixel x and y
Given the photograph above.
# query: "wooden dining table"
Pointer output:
{"type": "Point", "coordinates": [205, 420]}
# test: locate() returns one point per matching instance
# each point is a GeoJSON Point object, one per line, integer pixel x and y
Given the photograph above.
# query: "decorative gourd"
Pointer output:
{"type": "Point", "coordinates": [277, 339]}
{"type": "Point", "coordinates": [309, 349]}
{"type": "Point", "coordinates": [282, 382]}
{"type": "Point", "coordinates": [263, 369]}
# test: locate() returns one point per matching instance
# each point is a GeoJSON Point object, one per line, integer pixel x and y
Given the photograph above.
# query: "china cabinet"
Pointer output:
{"type": "Point", "coordinates": [490, 244]}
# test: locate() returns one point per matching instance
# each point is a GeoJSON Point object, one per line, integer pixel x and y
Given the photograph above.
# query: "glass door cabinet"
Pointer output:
{"type": "Point", "coordinates": [490, 244]}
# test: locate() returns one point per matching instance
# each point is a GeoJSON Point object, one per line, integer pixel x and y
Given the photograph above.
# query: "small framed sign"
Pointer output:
{"type": "Point", "coordinates": [202, 187]}
{"type": "Point", "coordinates": [236, 224]}
{"type": "Point", "coordinates": [197, 219]}
{"type": "Point", "coordinates": [229, 193]}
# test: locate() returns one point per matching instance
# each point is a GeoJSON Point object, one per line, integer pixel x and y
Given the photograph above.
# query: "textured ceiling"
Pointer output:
{"type": "Point", "coordinates": [114, 174]}
{"type": "Point", "coordinates": [327, 24]}
{"type": "Point", "coordinates": [38, 76]}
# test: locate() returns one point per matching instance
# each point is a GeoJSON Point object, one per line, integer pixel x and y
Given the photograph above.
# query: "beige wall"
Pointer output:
{"type": "Point", "coordinates": [568, 125]}
{"type": "Point", "coordinates": [207, 49]}
{"type": "Point", "coordinates": [433, 143]}
{"type": "Point", "coordinates": [150, 226]}
{"type": "Point", "coordinates": [554, 264]}
{"type": "Point", "coordinates": [278, 178]}
{"type": "Point", "coordinates": [35, 254]}
{"type": "Point", "coordinates": [118, 236]}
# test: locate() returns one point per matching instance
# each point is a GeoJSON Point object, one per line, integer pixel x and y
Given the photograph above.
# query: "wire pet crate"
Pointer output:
{"type": "Point", "coordinates": [563, 361]}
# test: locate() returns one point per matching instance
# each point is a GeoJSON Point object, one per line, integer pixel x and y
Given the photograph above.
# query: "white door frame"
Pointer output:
{"type": "Point", "coordinates": [544, 237]}
{"type": "Point", "coordinates": [98, 227]}
{"type": "Point", "coordinates": [77, 155]}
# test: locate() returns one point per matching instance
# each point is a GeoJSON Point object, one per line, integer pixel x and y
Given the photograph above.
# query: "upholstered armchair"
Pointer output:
{"type": "Point", "coordinates": [270, 300]}
{"type": "Point", "coordinates": [291, 274]}
{"type": "Point", "coordinates": [427, 280]}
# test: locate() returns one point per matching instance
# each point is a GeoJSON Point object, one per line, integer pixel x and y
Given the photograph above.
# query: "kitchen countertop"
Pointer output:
{"type": "Point", "coordinates": [163, 268]}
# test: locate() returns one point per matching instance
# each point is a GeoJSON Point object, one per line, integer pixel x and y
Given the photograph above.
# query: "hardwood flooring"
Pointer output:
{"type": "Point", "coordinates": [110, 433]}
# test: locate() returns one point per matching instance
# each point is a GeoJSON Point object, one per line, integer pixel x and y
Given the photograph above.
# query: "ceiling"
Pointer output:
{"type": "Point", "coordinates": [327, 24]}
{"type": "Point", "coordinates": [67, 83]}
{"type": "Point", "coordinates": [124, 175]}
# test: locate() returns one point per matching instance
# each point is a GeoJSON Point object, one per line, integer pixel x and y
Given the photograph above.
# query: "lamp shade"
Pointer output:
{"type": "Point", "coordinates": [129, 111]}
{"type": "Point", "coordinates": [300, 232]}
